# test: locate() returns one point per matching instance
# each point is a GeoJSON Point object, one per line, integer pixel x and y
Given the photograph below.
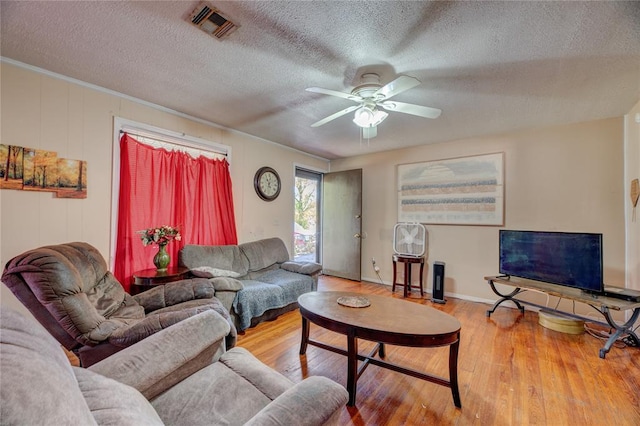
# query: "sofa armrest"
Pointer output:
{"type": "Point", "coordinates": [175, 292]}
{"type": "Point", "coordinates": [307, 268]}
{"type": "Point", "coordinates": [314, 401]}
{"type": "Point", "coordinates": [167, 357]}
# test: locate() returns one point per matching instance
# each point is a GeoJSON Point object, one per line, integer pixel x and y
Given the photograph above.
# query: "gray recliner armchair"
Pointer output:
{"type": "Point", "coordinates": [70, 291]}
{"type": "Point", "coordinates": [178, 376]}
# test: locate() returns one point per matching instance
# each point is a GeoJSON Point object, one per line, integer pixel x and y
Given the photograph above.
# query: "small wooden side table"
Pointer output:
{"type": "Point", "coordinates": [408, 261]}
{"type": "Point", "coordinates": [148, 278]}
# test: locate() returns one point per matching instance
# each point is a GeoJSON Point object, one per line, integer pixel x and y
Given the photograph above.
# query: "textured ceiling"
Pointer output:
{"type": "Point", "coordinates": [491, 67]}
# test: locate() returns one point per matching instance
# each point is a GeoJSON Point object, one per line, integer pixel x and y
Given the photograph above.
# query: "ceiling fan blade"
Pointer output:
{"type": "Point", "coordinates": [398, 85]}
{"type": "Point", "coordinates": [334, 93]}
{"type": "Point", "coordinates": [336, 115]}
{"type": "Point", "coordinates": [369, 132]}
{"type": "Point", "coordinates": [419, 110]}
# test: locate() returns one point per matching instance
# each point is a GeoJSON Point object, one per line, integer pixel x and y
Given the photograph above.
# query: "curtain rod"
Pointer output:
{"type": "Point", "coordinates": [172, 140]}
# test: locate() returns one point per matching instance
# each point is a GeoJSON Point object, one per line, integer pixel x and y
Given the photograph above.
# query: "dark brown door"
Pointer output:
{"type": "Point", "coordinates": [342, 224]}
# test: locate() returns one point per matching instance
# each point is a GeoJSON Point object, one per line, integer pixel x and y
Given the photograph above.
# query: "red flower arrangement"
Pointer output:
{"type": "Point", "coordinates": [161, 236]}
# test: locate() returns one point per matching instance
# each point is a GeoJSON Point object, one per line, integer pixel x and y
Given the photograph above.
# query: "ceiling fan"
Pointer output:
{"type": "Point", "coordinates": [370, 95]}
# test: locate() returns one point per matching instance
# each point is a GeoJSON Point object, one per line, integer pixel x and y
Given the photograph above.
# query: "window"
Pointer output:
{"type": "Point", "coordinates": [160, 180]}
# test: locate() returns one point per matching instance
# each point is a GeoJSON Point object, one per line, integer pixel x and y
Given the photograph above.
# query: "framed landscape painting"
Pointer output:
{"type": "Point", "coordinates": [40, 170]}
{"type": "Point", "coordinates": [30, 169]}
{"type": "Point", "coordinates": [456, 191]}
{"type": "Point", "coordinates": [72, 178]}
{"type": "Point", "coordinates": [11, 166]}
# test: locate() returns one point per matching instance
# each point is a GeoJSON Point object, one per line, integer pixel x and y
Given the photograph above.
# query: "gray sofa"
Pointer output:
{"type": "Point", "coordinates": [178, 376]}
{"type": "Point", "coordinates": [255, 281]}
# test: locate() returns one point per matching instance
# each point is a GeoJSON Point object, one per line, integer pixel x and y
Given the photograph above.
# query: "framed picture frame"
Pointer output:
{"type": "Point", "coordinates": [30, 169]}
{"type": "Point", "coordinates": [455, 191]}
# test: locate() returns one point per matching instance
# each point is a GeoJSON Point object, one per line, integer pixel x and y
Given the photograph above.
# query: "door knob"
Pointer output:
{"type": "Point", "coordinates": [357, 236]}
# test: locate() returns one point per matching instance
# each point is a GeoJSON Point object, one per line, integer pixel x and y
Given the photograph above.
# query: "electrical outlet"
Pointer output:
{"type": "Point", "coordinates": [375, 266]}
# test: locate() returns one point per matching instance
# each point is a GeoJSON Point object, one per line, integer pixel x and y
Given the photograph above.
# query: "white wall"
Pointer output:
{"type": "Point", "coordinates": [632, 216]}
{"type": "Point", "coordinates": [41, 110]}
{"type": "Point", "coordinates": [561, 178]}
{"type": "Point", "coordinates": [565, 178]}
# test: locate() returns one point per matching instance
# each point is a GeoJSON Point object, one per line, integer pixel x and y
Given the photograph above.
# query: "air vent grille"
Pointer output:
{"type": "Point", "coordinates": [209, 20]}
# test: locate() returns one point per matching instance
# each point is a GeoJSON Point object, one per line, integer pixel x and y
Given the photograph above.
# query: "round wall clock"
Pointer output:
{"type": "Point", "coordinates": [267, 183]}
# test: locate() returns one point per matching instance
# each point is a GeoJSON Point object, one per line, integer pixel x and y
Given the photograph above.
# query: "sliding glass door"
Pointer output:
{"type": "Point", "coordinates": [306, 227]}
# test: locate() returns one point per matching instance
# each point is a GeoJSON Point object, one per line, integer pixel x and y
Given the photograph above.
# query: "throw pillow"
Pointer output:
{"type": "Point", "coordinates": [226, 284]}
{"type": "Point", "coordinates": [209, 272]}
{"type": "Point", "coordinates": [308, 268]}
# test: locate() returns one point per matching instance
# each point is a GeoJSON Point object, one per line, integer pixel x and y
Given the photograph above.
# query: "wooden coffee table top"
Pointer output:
{"type": "Point", "coordinates": [386, 320]}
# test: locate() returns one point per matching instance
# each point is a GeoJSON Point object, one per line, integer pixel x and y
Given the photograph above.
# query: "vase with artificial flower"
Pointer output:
{"type": "Point", "coordinates": [160, 236]}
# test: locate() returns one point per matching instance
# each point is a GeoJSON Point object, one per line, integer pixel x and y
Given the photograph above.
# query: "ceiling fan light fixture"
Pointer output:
{"type": "Point", "coordinates": [369, 117]}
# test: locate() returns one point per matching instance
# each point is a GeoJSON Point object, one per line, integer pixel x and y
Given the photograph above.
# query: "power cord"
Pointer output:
{"type": "Point", "coordinates": [376, 268]}
{"type": "Point", "coordinates": [379, 277]}
{"type": "Point", "coordinates": [603, 333]}
{"type": "Point", "coordinates": [630, 341]}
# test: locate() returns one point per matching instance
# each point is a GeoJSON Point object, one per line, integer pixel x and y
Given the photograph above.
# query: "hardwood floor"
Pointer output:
{"type": "Point", "coordinates": [511, 371]}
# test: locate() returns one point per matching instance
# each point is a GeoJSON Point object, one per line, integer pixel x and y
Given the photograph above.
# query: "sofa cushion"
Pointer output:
{"type": "Point", "coordinates": [36, 373]}
{"type": "Point", "coordinates": [127, 314]}
{"type": "Point", "coordinates": [114, 403]}
{"type": "Point", "coordinates": [255, 299]}
{"type": "Point", "coordinates": [275, 289]}
{"type": "Point", "coordinates": [223, 398]}
{"type": "Point", "coordinates": [293, 285]}
{"type": "Point", "coordinates": [264, 253]}
{"type": "Point", "coordinates": [209, 272]}
{"type": "Point", "coordinates": [228, 258]}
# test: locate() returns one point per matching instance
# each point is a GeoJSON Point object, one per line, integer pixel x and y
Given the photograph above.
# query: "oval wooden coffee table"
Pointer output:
{"type": "Point", "coordinates": [385, 320]}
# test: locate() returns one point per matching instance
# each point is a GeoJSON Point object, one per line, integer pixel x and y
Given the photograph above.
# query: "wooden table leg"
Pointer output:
{"type": "Point", "coordinates": [453, 372]}
{"type": "Point", "coordinates": [407, 278]}
{"type": "Point", "coordinates": [352, 367]}
{"type": "Point", "coordinates": [421, 275]}
{"type": "Point", "coordinates": [393, 288]}
{"type": "Point", "coordinates": [305, 336]}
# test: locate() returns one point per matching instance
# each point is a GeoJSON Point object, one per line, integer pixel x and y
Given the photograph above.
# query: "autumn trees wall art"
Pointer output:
{"type": "Point", "coordinates": [29, 169]}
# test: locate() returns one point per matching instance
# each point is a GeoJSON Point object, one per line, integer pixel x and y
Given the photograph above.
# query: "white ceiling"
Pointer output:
{"type": "Point", "coordinates": [491, 67]}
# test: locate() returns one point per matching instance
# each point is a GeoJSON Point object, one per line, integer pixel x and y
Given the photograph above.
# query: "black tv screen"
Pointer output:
{"type": "Point", "coordinates": [567, 258]}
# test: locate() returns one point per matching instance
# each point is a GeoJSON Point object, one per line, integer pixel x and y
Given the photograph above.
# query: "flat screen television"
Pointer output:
{"type": "Point", "coordinates": [570, 259]}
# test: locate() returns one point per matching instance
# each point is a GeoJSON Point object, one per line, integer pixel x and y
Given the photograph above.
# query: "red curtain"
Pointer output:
{"type": "Point", "coordinates": [157, 188]}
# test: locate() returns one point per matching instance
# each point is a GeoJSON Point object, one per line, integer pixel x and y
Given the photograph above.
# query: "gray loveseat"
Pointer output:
{"type": "Point", "coordinates": [178, 376]}
{"type": "Point", "coordinates": [255, 281]}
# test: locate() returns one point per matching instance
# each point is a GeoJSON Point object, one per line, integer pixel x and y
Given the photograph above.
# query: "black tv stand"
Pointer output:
{"type": "Point", "coordinates": [601, 303]}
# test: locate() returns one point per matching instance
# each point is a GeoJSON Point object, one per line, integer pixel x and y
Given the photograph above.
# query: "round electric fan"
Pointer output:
{"type": "Point", "coordinates": [409, 239]}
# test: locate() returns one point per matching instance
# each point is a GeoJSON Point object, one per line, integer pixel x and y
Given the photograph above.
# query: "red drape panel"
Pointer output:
{"type": "Point", "coordinates": [159, 188]}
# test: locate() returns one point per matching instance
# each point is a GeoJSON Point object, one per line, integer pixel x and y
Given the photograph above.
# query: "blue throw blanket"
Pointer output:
{"type": "Point", "coordinates": [274, 289]}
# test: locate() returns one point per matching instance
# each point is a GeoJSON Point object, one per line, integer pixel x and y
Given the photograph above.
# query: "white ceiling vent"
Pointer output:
{"type": "Point", "coordinates": [209, 20]}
